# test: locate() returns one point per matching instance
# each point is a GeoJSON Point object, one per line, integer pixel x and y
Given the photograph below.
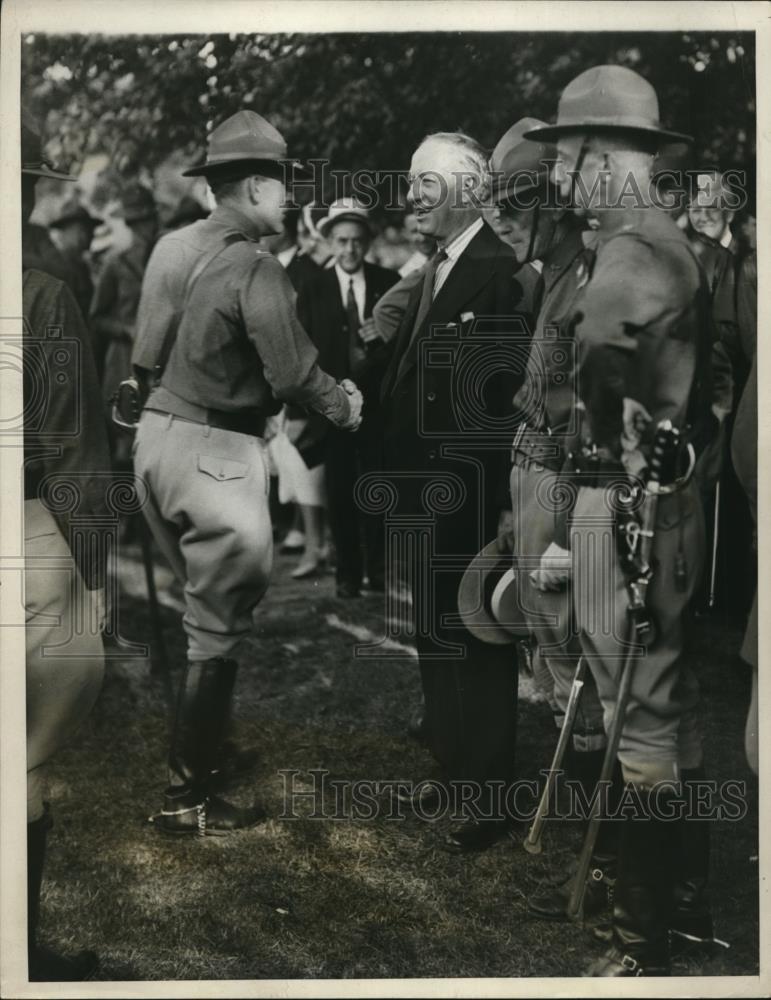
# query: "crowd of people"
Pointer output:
{"type": "Point", "coordinates": [544, 317]}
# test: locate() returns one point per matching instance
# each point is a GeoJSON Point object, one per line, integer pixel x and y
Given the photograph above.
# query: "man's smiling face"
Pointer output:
{"type": "Point", "coordinates": [439, 191]}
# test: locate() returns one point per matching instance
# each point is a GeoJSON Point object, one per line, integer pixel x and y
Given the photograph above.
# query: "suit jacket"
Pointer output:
{"type": "Point", "coordinates": [482, 292]}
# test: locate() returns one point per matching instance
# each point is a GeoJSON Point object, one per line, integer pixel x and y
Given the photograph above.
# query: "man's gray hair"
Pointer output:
{"type": "Point", "coordinates": [472, 158]}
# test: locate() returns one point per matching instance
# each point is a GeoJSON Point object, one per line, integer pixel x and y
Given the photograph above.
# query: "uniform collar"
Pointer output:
{"type": "Point", "coordinates": [561, 256]}
{"type": "Point", "coordinates": [234, 219]}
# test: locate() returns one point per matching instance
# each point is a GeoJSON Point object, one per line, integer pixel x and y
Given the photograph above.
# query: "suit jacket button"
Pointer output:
{"type": "Point", "coordinates": [431, 396]}
{"type": "Point", "coordinates": [432, 454]}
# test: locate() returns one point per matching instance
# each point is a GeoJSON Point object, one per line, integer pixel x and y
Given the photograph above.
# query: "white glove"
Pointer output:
{"type": "Point", "coordinates": [554, 571]}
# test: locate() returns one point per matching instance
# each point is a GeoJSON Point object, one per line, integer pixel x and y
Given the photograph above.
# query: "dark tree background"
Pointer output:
{"type": "Point", "coordinates": [363, 101]}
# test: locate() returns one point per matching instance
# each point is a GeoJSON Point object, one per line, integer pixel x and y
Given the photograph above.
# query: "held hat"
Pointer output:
{"type": "Point", "coordinates": [608, 99]}
{"type": "Point", "coordinates": [488, 598]}
{"type": "Point", "coordinates": [138, 204]}
{"type": "Point", "coordinates": [518, 164]}
{"type": "Point", "coordinates": [343, 210]}
{"type": "Point", "coordinates": [33, 162]}
{"type": "Point", "coordinates": [245, 137]}
{"type": "Point", "coordinates": [73, 211]}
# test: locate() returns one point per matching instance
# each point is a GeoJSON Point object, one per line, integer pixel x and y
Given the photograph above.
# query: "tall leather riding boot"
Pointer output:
{"type": "Point", "coordinates": [199, 728]}
{"type": "Point", "coordinates": [642, 899]}
{"type": "Point", "coordinates": [551, 902]}
{"type": "Point", "coordinates": [692, 913]}
{"type": "Point", "coordinates": [46, 966]}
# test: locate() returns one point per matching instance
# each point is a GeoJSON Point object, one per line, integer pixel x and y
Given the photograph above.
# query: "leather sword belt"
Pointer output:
{"type": "Point", "coordinates": [531, 446]}
{"type": "Point", "coordinates": [242, 422]}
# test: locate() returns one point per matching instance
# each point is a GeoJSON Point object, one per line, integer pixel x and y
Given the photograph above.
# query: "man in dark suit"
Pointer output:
{"type": "Point", "coordinates": [458, 359]}
{"type": "Point", "coordinates": [336, 310]}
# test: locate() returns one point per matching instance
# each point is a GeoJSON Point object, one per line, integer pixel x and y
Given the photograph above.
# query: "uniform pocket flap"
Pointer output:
{"type": "Point", "coordinates": [222, 468]}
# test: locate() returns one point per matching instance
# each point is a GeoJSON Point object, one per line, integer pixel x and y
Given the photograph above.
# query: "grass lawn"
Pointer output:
{"type": "Point", "coordinates": [337, 898]}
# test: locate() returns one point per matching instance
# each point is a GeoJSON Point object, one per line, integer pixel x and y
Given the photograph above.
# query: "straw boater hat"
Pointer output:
{"type": "Point", "coordinates": [488, 598]}
{"type": "Point", "coordinates": [344, 210]}
{"type": "Point", "coordinates": [608, 99]}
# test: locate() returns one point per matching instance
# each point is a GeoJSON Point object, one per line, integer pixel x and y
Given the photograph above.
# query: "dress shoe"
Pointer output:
{"type": "Point", "coordinates": [474, 835]}
{"type": "Point", "coordinates": [425, 796]}
{"type": "Point", "coordinates": [348, 591]}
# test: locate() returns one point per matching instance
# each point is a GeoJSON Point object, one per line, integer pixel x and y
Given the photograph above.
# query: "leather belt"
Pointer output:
{"type": "Point", "coordinates": [242, 422]}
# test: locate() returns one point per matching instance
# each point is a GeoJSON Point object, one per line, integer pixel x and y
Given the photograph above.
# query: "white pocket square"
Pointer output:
{"type": "Point", "coordinates": [465, 317]}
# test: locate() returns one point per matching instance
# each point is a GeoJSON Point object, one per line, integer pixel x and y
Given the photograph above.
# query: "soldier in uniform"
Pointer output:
{"type": "Point", "coordinates": [538, 225]}
{"type": "Point", "coordinates": [217, 326]}
{"type": "Point", "coordinates": [642, 359]}
{"type": "Point", "coordinates": [65, 448]}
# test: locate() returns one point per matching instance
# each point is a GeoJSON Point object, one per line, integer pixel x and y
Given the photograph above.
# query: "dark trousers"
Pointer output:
{"type": "Point", "coordinates": [358, 536]}
{"type": "Point", "coordinates": [470, 699]}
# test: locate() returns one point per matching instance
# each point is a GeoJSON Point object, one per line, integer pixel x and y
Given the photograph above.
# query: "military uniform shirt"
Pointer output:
{"type": "Point", "coordinates": [239, 346]}
{"type": "Point", "coordinates": [639, 327]}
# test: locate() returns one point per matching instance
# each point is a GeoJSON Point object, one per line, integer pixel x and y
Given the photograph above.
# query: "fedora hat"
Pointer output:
{"type": "Point", "coordinates": [344, 210]}
{"type": "Point", "coordinates": [518, 164]}
{"type": "Point", "coordinates": [33, 163]}
{"type": "Point", "coordinates": [488, 598]}
{"type": "Point", "coordinates": [608, 99]}
{"type": "Point", "coordinates": [244, 138]}
{"type": "Point", "coordinates": [73, 211]}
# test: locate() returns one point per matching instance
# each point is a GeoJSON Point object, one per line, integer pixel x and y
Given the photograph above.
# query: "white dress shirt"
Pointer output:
{"type": "Point", "coordinates": [453, 250]}
{"type": "Point", "coordinates": [359, 287]}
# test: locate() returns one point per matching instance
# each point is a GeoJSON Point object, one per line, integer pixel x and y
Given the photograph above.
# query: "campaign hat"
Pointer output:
{"type": "Point", "coordinates": [245, 138]}
{"type": "Point", "coordinates": [608, 99]}
{"type": "Point", "coordinates": [518, 164]}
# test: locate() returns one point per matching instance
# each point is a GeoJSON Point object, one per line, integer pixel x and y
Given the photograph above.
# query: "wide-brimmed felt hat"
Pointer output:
{"type": "Point", "coordinates": [488, 598]}
{"type": "Point", "coordinates": [72, 211]}
{"type": "Point", "coordinates": [518, 164]}
{"type": "Point", "coordinates": [344, 210]}
{"type": "Point", "coordinates": [244, 139]}
{"type": "Point", "coordinates": [137, 204]}
{"type": "Point", "coordinates": [608, 99]}
{"type": "Point", "coordinates": [33, 163]}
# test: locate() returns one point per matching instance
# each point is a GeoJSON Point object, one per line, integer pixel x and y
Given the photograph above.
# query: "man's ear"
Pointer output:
{"type": "Point", "coordinates": [253, 190]}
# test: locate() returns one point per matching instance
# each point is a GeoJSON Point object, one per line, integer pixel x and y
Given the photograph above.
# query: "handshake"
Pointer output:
{"type": "Point", "coordinates": [355, 402]}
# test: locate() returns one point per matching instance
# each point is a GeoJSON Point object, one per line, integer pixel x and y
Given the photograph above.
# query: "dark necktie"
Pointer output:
{"type": "Point", "coordinates": [426, 298]}
{"type": "Point", "coordinates": [356, 352]}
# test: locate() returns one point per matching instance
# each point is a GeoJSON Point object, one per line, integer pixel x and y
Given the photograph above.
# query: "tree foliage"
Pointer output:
{"type": "Point", "coordinates": [363, 101]}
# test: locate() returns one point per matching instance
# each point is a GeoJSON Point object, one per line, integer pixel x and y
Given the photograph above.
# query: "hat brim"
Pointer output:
{"type": "Point", "coordinates": [550, 133]}
{"type": "Point", "coordinates": [41, 170]}
{"type": "Point", "coordinates": [479, 580]}
{"type": "Point", "coordinates": [503, 189]}
{"type": "Point", "coordinates": [325, 225]}
{"type": "Point", "coordinates": [221, 166]}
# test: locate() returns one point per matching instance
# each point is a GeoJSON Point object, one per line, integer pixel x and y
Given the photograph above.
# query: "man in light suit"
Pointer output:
{"type": "Point", "coordinates": [458, 359]}
{"type": "Point", "coordinates": [335, 308]}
